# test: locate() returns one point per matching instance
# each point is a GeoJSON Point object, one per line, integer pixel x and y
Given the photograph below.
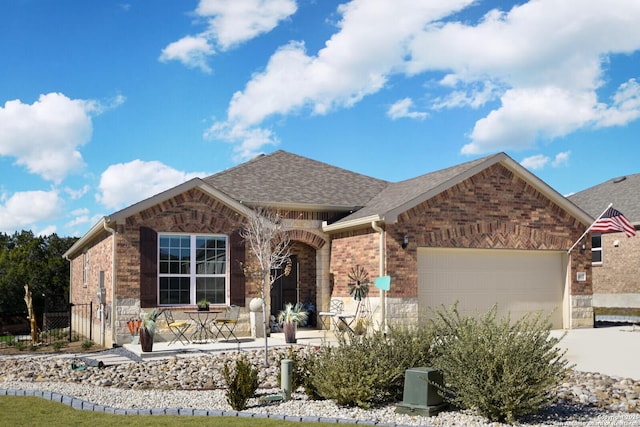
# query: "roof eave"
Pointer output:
{"type": "Point", "coordinates": [350, 224]}
{"type": "Point", "coordinates": [91, 234]}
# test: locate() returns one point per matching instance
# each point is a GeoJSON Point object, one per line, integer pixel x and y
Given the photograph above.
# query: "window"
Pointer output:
{"type": "Point", "coordinates": [596, 248]}
{"type": "Point", "coordinates": [192, 268]}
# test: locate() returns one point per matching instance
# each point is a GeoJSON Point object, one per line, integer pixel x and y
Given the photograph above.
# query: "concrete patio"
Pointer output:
{"type": "Point", "coordinates": [162, 349]}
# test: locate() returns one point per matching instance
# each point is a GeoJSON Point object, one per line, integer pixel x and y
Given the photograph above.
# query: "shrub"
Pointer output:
{"type": "Point", "coordinates": [86, 345]}
{"type": "Point", "coordinates": [58, 345]}
{"type": "Point", "coordinates": [369, 370]}
{"type": "Point", "coordinates": [242, 383]}
{"type": "Point", "coordinates": [501, 369]}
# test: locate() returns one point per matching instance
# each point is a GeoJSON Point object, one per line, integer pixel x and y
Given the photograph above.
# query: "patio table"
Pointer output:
{"type": "Point", "coordinates": [202, 321]}
{"type": "Point", "coordinates": [346, 320]}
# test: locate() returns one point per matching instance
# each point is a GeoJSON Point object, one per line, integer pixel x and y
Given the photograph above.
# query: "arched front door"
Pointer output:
{"type": "Point", "coordinates": [285, 288]}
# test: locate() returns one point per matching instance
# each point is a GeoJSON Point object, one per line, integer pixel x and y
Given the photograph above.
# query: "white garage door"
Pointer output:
{"type": "Point", "coordinates": [517, 281]}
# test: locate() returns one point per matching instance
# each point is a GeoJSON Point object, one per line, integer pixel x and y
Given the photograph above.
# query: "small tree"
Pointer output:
{"type": "Point", "coordinates": [270, 247]}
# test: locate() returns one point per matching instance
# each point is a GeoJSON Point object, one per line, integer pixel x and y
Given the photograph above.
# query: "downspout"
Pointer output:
{"type": "Point", "coordinates": [383, 293]}
{"type": "Point", "coordinates": [113, 284]}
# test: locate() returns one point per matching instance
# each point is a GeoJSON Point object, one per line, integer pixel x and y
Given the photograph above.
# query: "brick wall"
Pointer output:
{"type": "Point", "coordinates": [618, 278]}
{"type": "Point", "coordinates": [348, 250]}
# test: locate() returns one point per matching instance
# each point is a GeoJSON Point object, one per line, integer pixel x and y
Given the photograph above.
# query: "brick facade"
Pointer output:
{"type": "Point", "coordinates": [616, 282]}
{"type": "Point", "coordinates": [494, 209]}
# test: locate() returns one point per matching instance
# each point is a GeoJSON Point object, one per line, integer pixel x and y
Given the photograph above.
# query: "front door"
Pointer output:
{"type": "Point", "coordinates": [285, 288]}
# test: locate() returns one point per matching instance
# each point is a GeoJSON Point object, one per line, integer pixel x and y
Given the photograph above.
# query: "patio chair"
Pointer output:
{"type": "Point", "coordinates": [177, 328]}
{"type": "Point", "coordinates": [335, 307]}
{"type": "Point", "coordinates": [226, 324]}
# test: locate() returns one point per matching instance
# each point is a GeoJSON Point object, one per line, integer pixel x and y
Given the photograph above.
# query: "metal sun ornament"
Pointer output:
{"type": "Point", "coordinates": [359, 283]}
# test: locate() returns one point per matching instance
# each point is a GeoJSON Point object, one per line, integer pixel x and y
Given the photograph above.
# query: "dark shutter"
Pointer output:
{"type": "Point", "coordinates": [148, 267]}
{"type": "Point", "coordinates": [237, 255]}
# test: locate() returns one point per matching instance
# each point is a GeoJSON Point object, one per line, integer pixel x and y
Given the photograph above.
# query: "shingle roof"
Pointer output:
{"type": "Point", "coordinates": [403, 193]}
{"type": "Point", "coordinates": [286, 178]}
{"type": "Point", "coordinates": [623, 192]}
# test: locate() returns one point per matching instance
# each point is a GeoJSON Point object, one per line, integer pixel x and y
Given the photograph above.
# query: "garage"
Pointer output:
{"type": "Point", "coordinates": [518, 281]}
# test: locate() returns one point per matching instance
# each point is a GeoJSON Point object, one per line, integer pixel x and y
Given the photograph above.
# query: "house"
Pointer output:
{"type": "Point", "coordinates": [483, 232]}
{"type": "Point", "coordinates": [616, 258]}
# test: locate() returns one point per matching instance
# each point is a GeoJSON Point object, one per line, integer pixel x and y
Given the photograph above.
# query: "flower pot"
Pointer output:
{"type": "Point", "coordinates": [203, 308]}
{"type": "Point", "coordinates": [146, 340]}
{"type": "Point", "coordinates": [289, 329]}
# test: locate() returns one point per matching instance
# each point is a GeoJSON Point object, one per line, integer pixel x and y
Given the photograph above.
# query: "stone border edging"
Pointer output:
{"type": "Point", "coordinates": [76, 403]}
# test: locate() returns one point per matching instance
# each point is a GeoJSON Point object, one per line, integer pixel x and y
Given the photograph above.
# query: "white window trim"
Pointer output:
{"type": "Point", "coordinates": [192, 275]}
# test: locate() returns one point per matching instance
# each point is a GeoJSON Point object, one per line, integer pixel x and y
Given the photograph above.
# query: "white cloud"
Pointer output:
{"type": "Point", "coordinates": [75, 194]}
{"type": "Point", "coordinates": [527, 115]}
{"type": "Point", "coordinates": [532, 52]}
{"type": "Point", "coordinates": [543, 61]}
{"type": "Point", "coordinates": [400, 109]}
{"type": "Point", "coordinates": [24, 209]}
{"type": "Point", "coordinates": [229, 23]}
{"type": "Point", "coordinates": [535, 162]}
{"type": "Point", "coordinates": [191, 51]}
{"type": "Point", "coordinates": [234, 22]}
{"type": "Point", "coordinates": [371, 44]}
{"type": "Point", "coordinates": [248, 141]}
{"type": "Point", "coordinates": [561, 159]}
{"type": "Point", "coordinates": [539, 161]}
{"type": "Point", "coordinates": [127, 183]}
{"type": "Point", "coordinates": [45, 136]}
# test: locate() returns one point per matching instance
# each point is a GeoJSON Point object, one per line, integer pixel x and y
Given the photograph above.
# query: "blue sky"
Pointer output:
{"type": "Point", "coordinates": [103, 104]}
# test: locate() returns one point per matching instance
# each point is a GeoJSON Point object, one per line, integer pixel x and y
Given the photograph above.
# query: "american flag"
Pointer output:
{"type": "Point", "coordinates": [613, 220]}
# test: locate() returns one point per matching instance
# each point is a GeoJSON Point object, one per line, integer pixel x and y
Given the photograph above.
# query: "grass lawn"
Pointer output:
{"type": "Point", "coordinates": [34, 412]}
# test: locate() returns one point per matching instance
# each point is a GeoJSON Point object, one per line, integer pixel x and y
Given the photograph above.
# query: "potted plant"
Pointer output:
{"type": "Point", "coordinates": [203, 305]}
{"type": "Point", "coordinates": [148, 328]}
{"type": "Point", "coordinates": [289, 318]}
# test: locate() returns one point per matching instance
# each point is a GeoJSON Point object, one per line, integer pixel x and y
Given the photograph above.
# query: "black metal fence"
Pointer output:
{"type": "Point", "coordinates": [75, 323]}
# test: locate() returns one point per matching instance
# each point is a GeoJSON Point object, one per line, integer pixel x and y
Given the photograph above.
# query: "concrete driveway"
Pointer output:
{"type": "Point", "coordinates": [613, 351]}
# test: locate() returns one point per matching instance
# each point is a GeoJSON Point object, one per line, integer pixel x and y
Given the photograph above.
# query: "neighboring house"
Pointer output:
{"type": "Point", "coordinates": [616, 257]}
{"type": "Point", "coordinates": [482, 232]}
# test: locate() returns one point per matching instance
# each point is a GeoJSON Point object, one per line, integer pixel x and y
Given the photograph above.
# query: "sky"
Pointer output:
{"type": "Point", "coordinates": [106, 103]}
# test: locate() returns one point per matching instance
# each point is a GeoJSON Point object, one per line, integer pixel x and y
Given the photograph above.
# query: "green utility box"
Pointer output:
{"type": "Point", "coordinates": [420, 396]}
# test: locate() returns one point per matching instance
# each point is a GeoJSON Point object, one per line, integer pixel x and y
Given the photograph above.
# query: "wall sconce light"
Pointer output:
{"type": "Point", "coordinates": [583, 247]}
{"type": "Point", "coordinates": [405, 242]}
{"type": "Point", "coordinates": [616, 243]}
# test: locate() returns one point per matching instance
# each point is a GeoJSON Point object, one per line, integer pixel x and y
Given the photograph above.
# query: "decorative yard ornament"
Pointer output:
{"type": "Point", "coordinates": [359, 283]}
{"type": "Point", "coordinates": [32, 317]}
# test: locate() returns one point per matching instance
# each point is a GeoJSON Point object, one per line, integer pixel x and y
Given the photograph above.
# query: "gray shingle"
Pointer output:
{"type": "Point", "coordinates": [282, 177]}
{"type": "Point", "coordinates": [623, 192]}
{"type": "Point", "coordinates": [403, 192]}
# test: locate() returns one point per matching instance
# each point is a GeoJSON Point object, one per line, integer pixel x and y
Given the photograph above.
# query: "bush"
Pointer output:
{"type": "Point", "coordinates": [86, 345]}
{"type": "Point", "coordinates": [242, 383]}
{"type": "Point", "coordinates": [503, 370]}
{"type": "Point", "coordinates": [369, 370]}
{"type": "Point", "coordinates": [58, 345]}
